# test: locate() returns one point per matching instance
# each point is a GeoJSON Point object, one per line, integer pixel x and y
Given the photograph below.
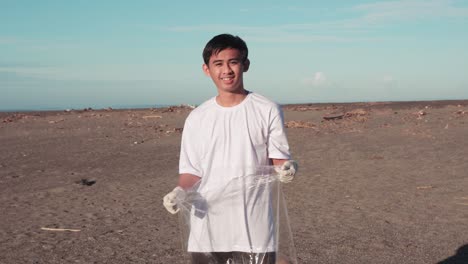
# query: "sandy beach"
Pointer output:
{"type": "Point", "coordinates": [378, 183]}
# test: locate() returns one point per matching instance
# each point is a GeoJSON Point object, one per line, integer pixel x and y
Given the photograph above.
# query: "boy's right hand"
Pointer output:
{"type": "Point", "coordinates": [287, 171]}
{"type": "Point", "coordinates": [171, 199]}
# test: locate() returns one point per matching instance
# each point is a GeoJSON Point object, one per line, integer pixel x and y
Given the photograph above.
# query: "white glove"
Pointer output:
{"type": "Point", "coordinates": [171, 199]}
{"type": "Point", "coordinates": [287, 171]}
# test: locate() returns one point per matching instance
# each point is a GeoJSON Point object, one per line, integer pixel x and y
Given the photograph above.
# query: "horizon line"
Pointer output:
{"type": "Point", "coordinates": [150, 106]}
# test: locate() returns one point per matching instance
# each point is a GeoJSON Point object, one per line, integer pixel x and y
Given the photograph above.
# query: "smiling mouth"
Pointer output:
{"type": "Point", "coordinates": [227, 78]}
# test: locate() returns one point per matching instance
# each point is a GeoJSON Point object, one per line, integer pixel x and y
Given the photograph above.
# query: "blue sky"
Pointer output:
{"type": "Point", "coordinates": [77, 54]}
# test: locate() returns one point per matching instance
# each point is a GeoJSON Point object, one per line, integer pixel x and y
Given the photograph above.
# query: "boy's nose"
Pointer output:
{"type": "Point", "coordinates": [227, 69]}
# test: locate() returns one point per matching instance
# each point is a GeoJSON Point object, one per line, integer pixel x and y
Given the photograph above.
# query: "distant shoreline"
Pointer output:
{"type": "Point", "coordinates": [387, 104]}
{"type": "Point", "coordinates": [375, 104]}
{"type": "Point", "coordinates": [55, 109]}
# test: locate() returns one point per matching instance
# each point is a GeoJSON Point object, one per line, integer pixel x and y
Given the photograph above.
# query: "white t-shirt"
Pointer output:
{"type": "Point", "coordinates": [221, 145]}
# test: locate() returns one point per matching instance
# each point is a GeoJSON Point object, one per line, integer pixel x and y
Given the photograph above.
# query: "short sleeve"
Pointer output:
{"type": "Point", "coordinates": [278, 147]}
{"type": "Point", "coordinates": [189, 161]}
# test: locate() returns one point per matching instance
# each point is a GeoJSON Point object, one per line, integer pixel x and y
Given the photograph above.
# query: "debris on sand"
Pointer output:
{"type": "Point", "coordinates": [425, 187]}
{"type": "Point", "coordinates": [299, 124]}
{"type": "Point", "coordinates": [14, 118]}
{"type": "Point", "coordinates": [187, 106]}
{"type": "Point", "coordinates": [60, 229]}
{"type": "Point", "coordinates": [178, 108]}
{"type": "Point", "coordinates": [87, 109]}
{"type": "Point", "coordinates": [301, 108]}
{"type": "Point", "coordinates": [151, 116]}
{"type": "Point", "coordinates": [177, 129]}
{"type": "Point", "coordinates": [333, 117]}
{"type": "Point", "coordinates": [56, 121]}
{"type": "Point", "coordinates": [86, 182]}
{"type": "Point", "coordinates": [420, 114]}
{"type": "Point", "coordinates": [357, 114]}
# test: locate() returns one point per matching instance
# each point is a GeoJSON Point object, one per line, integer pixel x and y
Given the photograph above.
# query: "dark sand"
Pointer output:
{"type": "Point", "coordinates": [385, 183]}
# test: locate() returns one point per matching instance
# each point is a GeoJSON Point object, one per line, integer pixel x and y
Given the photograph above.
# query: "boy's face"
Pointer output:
{"type": "Point", "coordinates": [226, 70]}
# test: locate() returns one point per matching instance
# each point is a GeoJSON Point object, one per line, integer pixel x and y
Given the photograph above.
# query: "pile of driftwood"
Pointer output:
{"type": "Point", "coordinates": [299, 124]}
{"type": "Point", "coordinates": [358, 114]}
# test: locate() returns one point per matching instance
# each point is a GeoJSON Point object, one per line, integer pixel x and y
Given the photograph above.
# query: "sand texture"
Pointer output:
{"type": "Point", "coordinates": [378, 183]}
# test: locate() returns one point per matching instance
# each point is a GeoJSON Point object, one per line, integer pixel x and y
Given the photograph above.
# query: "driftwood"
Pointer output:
{"type": "Point", "coordinates": [152, 116]}
{"type": "Point", "coordinates": [333, 117]}
{"type": "Point", "coordinates": [60, 229]}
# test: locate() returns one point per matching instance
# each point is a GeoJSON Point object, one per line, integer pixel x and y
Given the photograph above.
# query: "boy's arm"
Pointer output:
{"type": "Point", "coordinates": [278, 162]}
{"type": "Point", "coordinates": [187, 180]}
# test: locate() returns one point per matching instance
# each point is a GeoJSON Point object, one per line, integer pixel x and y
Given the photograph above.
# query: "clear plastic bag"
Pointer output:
{"type": "Point", "coordinates": [242, 220]}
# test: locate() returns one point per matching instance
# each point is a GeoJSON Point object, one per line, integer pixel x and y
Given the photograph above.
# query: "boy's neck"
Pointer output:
{"type": "Point", "coordinates": [231, 99]}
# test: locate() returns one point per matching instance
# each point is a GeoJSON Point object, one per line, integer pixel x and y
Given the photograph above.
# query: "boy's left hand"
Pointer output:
{"type": "Point", "coordinates": [287, 171]}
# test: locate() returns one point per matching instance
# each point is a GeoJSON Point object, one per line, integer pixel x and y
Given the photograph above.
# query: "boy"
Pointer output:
{"type": "Point", "coordinates": [221, 140]}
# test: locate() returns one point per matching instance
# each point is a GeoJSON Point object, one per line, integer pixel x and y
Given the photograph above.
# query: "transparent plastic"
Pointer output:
{"type": "Point", "coordinates": [243, 220]}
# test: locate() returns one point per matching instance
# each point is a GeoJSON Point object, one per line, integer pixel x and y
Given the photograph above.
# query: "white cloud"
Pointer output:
{"type": "Point", "coordinates": [319, 79]}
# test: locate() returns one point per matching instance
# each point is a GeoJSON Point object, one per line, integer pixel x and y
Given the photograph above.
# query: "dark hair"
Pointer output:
{"type": "Point", "coordinates": [222, 42]}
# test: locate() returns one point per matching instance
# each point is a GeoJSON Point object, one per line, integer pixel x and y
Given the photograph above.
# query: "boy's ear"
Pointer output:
{"type": "Point", "coordinates": [246, 65]}
{"type": "Point", "coordinates": [206, 70]}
